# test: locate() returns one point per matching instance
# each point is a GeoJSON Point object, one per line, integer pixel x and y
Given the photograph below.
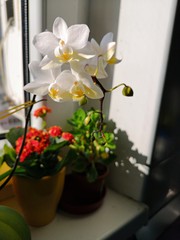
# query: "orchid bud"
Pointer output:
{"type": "Point", "coordinates": [127, 91]}
{"type": "Point", "coordinates": [83, 101]}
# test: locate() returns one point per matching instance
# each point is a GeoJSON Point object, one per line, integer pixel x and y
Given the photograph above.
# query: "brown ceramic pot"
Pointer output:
{"type": "Point", "coordinates": [82, 197]}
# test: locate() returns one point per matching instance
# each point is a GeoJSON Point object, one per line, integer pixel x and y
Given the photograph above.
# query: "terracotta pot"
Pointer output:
{"type": "Point", "coordinates": [80, 196]}
{"type": "Point", "coordinates": [39, 198]}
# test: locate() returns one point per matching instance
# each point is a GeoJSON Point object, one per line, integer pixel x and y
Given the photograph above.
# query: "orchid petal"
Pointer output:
{"type": "Point", "coordinates": [42, 79]}
{"type": "Point", "coordinates": [37, 88]}
{"type": "Point", "coordinates": [93, 93]}
{"type": "Point", "coordinates": [38, 73]}
{"type": "Point", "coordinates": [87, 52]}
{"type": "Point", "coordinates": [47, 63]}
{"type": "Point", "coordinates": [91, 69]}
{"type": "Point", "coordinates": [78, 36]}
{"type": "Point", "coordinates": [101, 73]}
{"type": "Point", "coordinates": [91, 90]}
{"type": "Point", "coordinates": [77, 67]}
{"type": "Point", "coordinates": [77, 91]}
{"type": "Point", "coordinates": [50, 65]}
{"type": "Point", "coordinates": [96, 47]}
{"type": "Point", "coordinates": [58, 94]}
{"type": "Point", "coordinates": [60, 29]}
{"type": "Point", "coordinates": [106, 39]}
{"type": "Point", "coordinates": [114, 60]}
{"type": "Point", "coordinates": [109, 51]}
{"type": "Point", "coordinates": [45, 43]}
{"type": "Point", "coordinates": [65, 80]}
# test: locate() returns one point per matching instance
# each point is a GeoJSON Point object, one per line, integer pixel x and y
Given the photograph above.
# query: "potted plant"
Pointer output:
{"type": "Point", "coordinates": [91, 148]}
{"type": "Point", "coordinates": [71, 69]}
{"type": "Point", "coordinates": [91, 151]}
{"type": "Point", "coordinates": [39, 176]}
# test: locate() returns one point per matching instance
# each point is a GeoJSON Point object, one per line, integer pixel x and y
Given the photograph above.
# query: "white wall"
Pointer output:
{"type": "Point", "coordinates": [144, 35]}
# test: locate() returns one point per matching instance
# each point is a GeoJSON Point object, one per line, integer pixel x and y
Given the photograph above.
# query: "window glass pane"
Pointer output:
{"type": "Point", "coordinates": [11, 67]}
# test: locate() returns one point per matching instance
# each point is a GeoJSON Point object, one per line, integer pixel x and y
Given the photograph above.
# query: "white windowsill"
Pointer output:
{"type": "Point", "coordinates": [118, 218]}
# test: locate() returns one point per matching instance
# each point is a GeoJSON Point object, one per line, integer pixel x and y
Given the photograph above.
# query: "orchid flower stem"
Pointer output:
{"type": "Point", "coordinates": [96, 81]}
{"type": "Point", "coordinates": [119, 85]}
{"type": "Point", "coordinates": [22, 146]}
{"type": "Point", "coordinates": [101, 113]}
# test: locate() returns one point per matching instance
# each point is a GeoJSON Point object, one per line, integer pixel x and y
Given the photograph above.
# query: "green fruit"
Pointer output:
{"type": "Point", "coordinates": [13, 225]}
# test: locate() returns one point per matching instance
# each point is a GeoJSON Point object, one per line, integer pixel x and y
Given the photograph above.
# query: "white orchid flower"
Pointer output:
{"type": "Point", "coordinates": [69, 87]}
{"type": "Point", "coordinates": [42, 79]}
{"type": "Point", "coordinates": [62, 45]}
{"type": "Point", "coordinates": [104, 54]}
{"type": "Point", "coordinates": [93, 67]}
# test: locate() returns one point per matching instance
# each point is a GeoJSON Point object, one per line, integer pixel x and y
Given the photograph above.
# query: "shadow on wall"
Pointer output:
{"type": "Point", "coordinates": [128, 175]}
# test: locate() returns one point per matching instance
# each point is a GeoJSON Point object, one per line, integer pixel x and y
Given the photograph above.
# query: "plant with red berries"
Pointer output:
{"type": "Point", "coordinates": [41, 154]}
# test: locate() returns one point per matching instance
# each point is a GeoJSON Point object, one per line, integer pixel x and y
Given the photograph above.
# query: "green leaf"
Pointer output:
{"type": "Point", "coordinates": [1, 160]}
{"type": "Point", "coordinates": [9, 155]}
{"type": "Point", "coordinates": [35, 171]}
{"type": "Point", "coordinates": [55, 147]}
{"type": "Point", "coordinates": [4, 175]}
{"type": "Point", "coordinates": [14, 134]}
{"type": "Point", "coordinates": [58, 166]}
{"type": "Point", "coordinates": [77, 119]}
{"type": "Point", "coordinates": [18, 171]}
{"type": "Point", "coordinates": [92, 173]}
{"type": "Point", "coordinates": [70, 157]}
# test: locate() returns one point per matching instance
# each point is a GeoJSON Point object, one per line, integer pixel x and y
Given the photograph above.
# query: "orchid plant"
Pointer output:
{"type": "Point", "coordinates": [71, 69]}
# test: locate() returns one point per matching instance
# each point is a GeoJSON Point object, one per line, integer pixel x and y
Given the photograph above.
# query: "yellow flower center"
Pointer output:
{"type": "Point", "coordinates": [76, 91]}
{"type": "Point", "coordinates": [64, 53]}
{"type": "Point", "coordinates": [65, 57]}
{"type": "Point", "coordinates": [54, 93]}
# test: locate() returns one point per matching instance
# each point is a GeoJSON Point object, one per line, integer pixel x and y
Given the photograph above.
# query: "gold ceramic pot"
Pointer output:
{"type": "Point", "coordinates": [39, 198]}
